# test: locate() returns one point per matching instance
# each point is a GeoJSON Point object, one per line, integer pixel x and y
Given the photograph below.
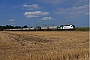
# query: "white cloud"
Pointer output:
{"type": "Point", "coordinates": [12, 21]}
{"type": "Point", "coordinates": [81, 2]}
{"type": "Point", "coordinates": [31, 7]}
{"type": "Point", "coordinates": [39, 21]}
{"type": "Point", "coordinates": [47, 18]}
{"type": "Point", "coordinates": [14, 7]}
{"type": "Point", "coordinates": [35, 14]}
{"type": "Point", "coordinates": [73, 12]}
{"type": "Point", "coordinates": [78, 2]}
{"type": "Point", "coordinates": [87, 13]}
{"type": "Point", "coordinates": [53, 1]}
{"type": "Point", "coordinates": [1, 6]}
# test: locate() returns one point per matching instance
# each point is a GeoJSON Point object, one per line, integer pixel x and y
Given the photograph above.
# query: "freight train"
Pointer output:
{"type": "Point", "coordinates": [45, 28]}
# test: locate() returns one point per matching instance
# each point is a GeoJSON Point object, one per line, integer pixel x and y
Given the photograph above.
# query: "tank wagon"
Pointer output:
{"type": "Point", "coordinates": [20, 29]}
{"type": "Point", "coordinates": [46, 28]}
{"type": "Point", "coordinates": [13, 29]}
{"type": "Point", "coordinates": [25, 29]}
{"type": "Point", "coordinates": [53, 27]}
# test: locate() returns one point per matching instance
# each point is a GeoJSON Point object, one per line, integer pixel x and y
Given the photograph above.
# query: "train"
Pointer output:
{"type": "Point", "coordinates": [45, 28]}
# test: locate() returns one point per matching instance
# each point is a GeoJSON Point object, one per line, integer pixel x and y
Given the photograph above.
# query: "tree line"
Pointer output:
{"type": "Point", "coordinates": [12, 27]}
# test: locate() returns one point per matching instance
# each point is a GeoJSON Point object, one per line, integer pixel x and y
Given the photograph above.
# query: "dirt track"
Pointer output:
{"type": "Point", "coordinates": [44, 45]}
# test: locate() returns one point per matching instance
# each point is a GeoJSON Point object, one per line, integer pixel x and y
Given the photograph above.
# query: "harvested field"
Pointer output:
{"type": "Point", "coordinates": [44, 45]}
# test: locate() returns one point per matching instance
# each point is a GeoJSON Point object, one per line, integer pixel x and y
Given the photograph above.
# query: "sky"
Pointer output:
{"type": "Point", "coordinates": [44, 12]}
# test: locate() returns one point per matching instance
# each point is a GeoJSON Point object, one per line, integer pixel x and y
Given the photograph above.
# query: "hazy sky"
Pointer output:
{"type": "Point", "coordinates": [40, 12]}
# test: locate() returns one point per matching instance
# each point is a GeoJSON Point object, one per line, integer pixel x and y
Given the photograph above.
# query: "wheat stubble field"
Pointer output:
{"type": "Point", "coordinates": [44, 45]}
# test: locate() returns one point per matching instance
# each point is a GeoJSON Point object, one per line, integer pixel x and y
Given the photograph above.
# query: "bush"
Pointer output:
{"type": "Point", "coordinates": [82, 29]}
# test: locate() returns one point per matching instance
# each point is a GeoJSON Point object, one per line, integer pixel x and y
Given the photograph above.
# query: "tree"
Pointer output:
{"type": "Point", "coordinates": [16, 27]}
{"type": "Point", "coordinates": [25, 26]}
{"type": "Point", "coordinates": [1, 28]}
